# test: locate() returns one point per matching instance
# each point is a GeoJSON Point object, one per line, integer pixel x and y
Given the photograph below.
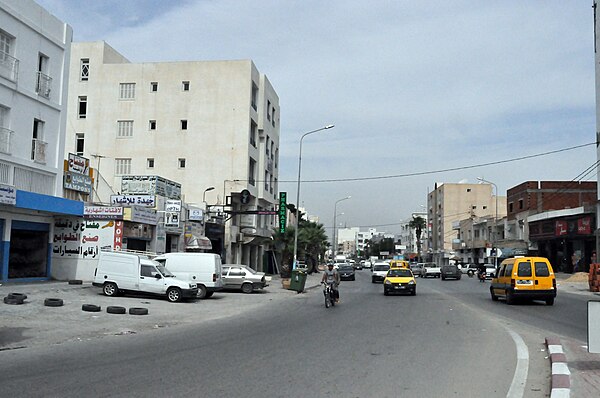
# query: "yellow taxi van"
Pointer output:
{"type": "Point", "coordinates": [399, 264]}
{"type": "Point", "coordinates": [524, 277]}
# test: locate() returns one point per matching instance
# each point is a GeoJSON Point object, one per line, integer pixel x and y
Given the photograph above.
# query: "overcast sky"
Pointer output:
{"type": "Point", "coordinates": [411, 86]}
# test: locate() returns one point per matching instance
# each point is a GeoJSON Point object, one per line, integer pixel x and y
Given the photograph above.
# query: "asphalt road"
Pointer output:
{"type": "Point", "coordinates": [448, 340]}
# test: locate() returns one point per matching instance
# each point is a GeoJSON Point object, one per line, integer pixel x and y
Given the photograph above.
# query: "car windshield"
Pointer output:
{"type": "Point", "coordinates": [400, 273]}
{"type": "Point", "coordinates": [165, 271]}
{"type": "Point", "coordinates": [346, 268]}
{"type": "Point", "coordinates": [381, 267]}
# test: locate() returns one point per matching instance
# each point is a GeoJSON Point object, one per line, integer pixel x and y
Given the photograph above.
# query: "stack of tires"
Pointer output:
{"type": "Point", "coordinates": [594, 278]}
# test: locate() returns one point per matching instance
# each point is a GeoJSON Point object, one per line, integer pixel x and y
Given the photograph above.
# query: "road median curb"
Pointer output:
{"type": "Point", "coordinates": [561, 376]}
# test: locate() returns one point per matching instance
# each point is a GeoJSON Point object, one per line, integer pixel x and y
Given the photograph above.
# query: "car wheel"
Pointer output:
{"type": "Point", "coordinates": [208, 294]}
{"type": "Point", "coordinates": [353, 278]}
{"type": "Point", "coordinates": [110, 289]}
{"type": "Point", "coordinates": [414, 292]}
{"type": "Point", "coordinates": [494, 297]}
{"type": "Point", "coordinates": [247, 288]}
{"type": "Point", "coordinates": [174, 294]}
{"type": "Point", "coordinates": [443, 278]}
{"type": "Point", "coordinates": [550, 301]}
{"type": "Point", "coordinates": [385, 293]}
{"type": "Point", "coordinates": [201, 291]}
{"type": "Point", "coordinates": [510, 300]}
{"type": "Point", "coordinates": [372, 280]}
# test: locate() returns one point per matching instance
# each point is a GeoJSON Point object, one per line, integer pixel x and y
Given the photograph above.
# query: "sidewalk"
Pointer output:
{"type": "Point", "coordinates": [575, 372]}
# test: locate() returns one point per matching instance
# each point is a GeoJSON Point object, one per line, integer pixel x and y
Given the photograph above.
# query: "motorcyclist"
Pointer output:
{"type": "Point", "coordinates": [481, 272]}
{"type": "Point", "coordinates": [332, 276]}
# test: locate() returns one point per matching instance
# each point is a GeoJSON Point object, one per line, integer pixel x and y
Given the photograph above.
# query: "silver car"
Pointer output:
{"type": "Point", "coordinates": [242, 277]}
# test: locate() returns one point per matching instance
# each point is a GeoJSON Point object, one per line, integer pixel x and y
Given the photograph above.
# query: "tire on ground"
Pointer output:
{"type": "Point", "coordinates": [138, 311]}
{"type": "Point", "coordinates": [75, 282]}
{"type": "Point", "coordinates": [115, 309]}
{"type": "Point", "coordinates": [53, 302]}
{"type": "Point", "coordinates": [19, 296]}
{"type": "Point", "coordinates": [91, 308]}
{"type": "Point", "coordinates": [13, 301]}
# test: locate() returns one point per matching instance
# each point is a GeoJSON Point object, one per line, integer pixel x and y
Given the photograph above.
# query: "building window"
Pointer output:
{"type": "Point", "coordinates": [510, 207]}
{"type": "Point", "coordinates": [152, 125]}
{"type": "Point", "coordinates": [520, 204]}
{"type": "Point", "coordinates": [253, 128]}
{"type": "Point", "coordinates": [154, 87]}
{"type": "Point", "coordinates": [181, 162]}
{"type": "Point", "coordinates": [82, 107]}
{"type": "Point", "coordinates": [468, 189]}
{"type": "Point", "coordinates": [267, 146]}
{"type": "Point", "coordinates": [272, 152]}
{"type": "Point", "coordinates": [185, 85]}
{"type": "Point", "coordinates": [274, 187]}
{"type": "Point", "coordinates": [125, 128]}
{"type": "Point", "coordinates": [150, 163]}
{"type": "Point", "coordinates": [84, 64]}
{"type": "Point", "coordinates": [127, 91]}
{"type": "Point", "coordinates": [79, 143]}
{"type": "Point", "coordinates": [5, 45]}
{"type": "Point", "coordinates": [276, 157]}
{"type": "Point", "coordinates": [38, 146]}
{"type": "Point", "coordinates": [271, 183]}
{"type": "Point", "coordinates": [254, 95]}
{"type": "Point", "coordinates": [473, 207]}
{"type": "Point", "coordinates": [251, 172]}
{"type": "Point", "coordinates": [273, 116]}
{"type": "Point", "coordinates": [184, 124]}
{"type": "Point", "coordinates": [122, 166]}
{"type": "Point", "coordinates": [266, 180]}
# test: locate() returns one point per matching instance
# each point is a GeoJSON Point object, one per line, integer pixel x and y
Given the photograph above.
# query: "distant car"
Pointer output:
{"type": "Point", "coordinates": [490, 271]}
{"type": "Point", "coordinates": [469, 269]}
{"type": "Point", "coordinates": [242, 277]}
{"type": "Point", "coordinates": [451, 271]}
{"type": "Point", "coordinates": [417, 268]}
{"type": "Point", "coordinates": [431, 269]}
{"type": "Point", "coordinates": [399, 280]}
{"type": "Point", "coordinates": [379, 271]}
{"type": "Point", "coordinates": [367, 264]}
{"type": "Point", "coordinates": [359, 265]}
{"type": "Point", "coordinates": [346, 272]}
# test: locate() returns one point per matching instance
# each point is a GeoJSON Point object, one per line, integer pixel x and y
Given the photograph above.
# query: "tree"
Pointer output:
{"type": "Point", "coordinates": [418, 224]}
{"type": "Point", "coordinates": [312, 244]}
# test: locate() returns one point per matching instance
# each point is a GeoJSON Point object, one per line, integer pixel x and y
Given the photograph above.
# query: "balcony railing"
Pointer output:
{"type": "Point", "coordinates": [5, 137]}
{"type": "Point", "coordinates": [9, 66]}
{"type": "Point", "coordinates": [44, 85]}
{"type": "Point", "coordinates": [38, 151]}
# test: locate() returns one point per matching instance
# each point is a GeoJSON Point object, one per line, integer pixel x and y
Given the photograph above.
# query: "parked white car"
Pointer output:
{"type": "Point", "coordinates": [431, 269]}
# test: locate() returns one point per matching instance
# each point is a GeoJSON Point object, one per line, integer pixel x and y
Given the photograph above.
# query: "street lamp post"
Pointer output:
{"type": "Point", "coordinates": [334, 245]}
{"type": "Point", "coordinates": [298, 192]}
{"type": "Point", "coordinates": [204, 194]}
{"type": "Point", "coordinates": [495, 222]}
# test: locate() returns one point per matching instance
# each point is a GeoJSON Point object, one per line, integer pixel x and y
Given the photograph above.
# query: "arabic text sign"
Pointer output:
{"type": "Point", "coordinates": [77, 182]}
{"type": "Point", "coordinates": [173, 205]}
{"type": "Point", "coordinates": [130, 200]}
{"type": "Point", "coordinates": [78, 164]}
{"type": "Point", "coordinates": [196, 215]}
{"type": "Point", "coordinates": [103, 212]}
{"type": "Point", "coordinates": [8, 194]}
{"type": "Point", "coordinates": [79, 238]}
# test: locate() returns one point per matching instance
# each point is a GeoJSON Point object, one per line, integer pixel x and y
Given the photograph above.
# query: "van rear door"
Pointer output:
{"type": "Point", "coordinates": [525, 278]}
{"type": "Point", "coordinates": [543, 276]}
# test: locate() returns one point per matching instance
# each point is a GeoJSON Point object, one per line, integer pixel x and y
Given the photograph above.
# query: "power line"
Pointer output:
{"type": "Point", "coordinates": [419, 173]}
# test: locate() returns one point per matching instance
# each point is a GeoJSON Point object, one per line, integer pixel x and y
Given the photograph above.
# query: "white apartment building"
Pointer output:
{"type": "Point", "coordinates": [212, 126]}
{"type": "Point", "coordinates": [408, 235]}
{"type": "Point", "coordinates": [34, 57]}
{"type": "Point", "coordinates": [451, 202]}
{"type": "Point", "coordinates": [347, 239]}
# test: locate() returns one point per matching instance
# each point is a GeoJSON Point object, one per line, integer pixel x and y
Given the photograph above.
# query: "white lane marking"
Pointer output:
{"type": "Point", "coordinates": [517, 387]}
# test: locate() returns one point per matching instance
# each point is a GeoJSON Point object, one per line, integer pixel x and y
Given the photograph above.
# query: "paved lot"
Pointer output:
{"type": "Point", "coordinates": [32, 323]}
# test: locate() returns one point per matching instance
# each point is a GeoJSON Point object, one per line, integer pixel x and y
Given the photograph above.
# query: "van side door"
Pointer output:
{"type": "Point", "coordinates": [149, 282]}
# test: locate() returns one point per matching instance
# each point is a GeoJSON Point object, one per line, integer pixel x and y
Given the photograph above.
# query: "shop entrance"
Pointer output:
{"type": "Point", "coordinates": [28, 254]}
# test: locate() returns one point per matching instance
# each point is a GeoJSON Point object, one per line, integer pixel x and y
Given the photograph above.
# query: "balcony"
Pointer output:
{"type": "Point", "coordinates": [44, 85]}
{"type": "Point", "coordinates": [5, 137]}
{"type": "Point", "coordinates": [9, 66]}
{"type": "Point", "coordinates": [38, 151]}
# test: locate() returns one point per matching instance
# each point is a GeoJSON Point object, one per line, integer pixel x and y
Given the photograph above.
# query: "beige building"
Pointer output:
{"type": "Point", "coordinates": [449, 203]}
{"type": "Point", "coordinates": [212, 126]}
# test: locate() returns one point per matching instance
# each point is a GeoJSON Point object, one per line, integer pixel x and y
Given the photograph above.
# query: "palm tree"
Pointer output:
{"type": "Point", "coordinates": [418, 224]}
{"type": "Point", "coordinates": [313, 241]}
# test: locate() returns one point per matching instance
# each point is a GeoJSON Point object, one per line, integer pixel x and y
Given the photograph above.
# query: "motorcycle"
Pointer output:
{"type": "Point", "coordinates": [481, 276]}
{"type": "Point", "coordinates": [329, 294]}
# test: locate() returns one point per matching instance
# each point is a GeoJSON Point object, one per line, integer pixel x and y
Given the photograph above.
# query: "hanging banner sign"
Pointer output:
{"type": "Point", "coordinates": [129, 200]}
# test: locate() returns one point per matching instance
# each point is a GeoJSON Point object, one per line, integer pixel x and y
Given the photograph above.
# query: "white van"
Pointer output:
{"type": "Point", "coordinates": [204, 269]}
{"type": "Point", "coordinates": [124, 272]}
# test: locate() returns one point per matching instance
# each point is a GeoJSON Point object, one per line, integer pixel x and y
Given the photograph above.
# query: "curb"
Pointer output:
{"type": "Point", "coordinates": [561, 376]}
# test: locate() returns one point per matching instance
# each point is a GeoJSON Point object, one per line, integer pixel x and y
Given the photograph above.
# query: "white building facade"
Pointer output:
{"type": "Point", "coordinates": [34, 58]}
{"type": "Point", "coordinates": [211, 126]}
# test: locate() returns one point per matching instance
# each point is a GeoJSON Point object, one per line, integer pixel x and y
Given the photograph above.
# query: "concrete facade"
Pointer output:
{"type": "Point", "coordinates": [449, 203]}
{"type": "Point", "coordinates": [201, 123]}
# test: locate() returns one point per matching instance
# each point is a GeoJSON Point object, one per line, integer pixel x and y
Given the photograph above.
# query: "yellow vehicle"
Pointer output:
{"type": "Point", "coordinates": [399, 264]}
{"type": "Point", "coordinates": [524, 277]}
{"type": "Point", "coordinates": [399, 280]}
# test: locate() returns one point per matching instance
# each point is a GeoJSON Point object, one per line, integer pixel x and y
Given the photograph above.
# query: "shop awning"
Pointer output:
{"type": "Point", "coordinates": [193, 242]}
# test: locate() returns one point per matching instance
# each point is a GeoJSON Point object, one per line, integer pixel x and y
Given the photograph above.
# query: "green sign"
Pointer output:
{"type": "Point", "coordinates": [282, 211]}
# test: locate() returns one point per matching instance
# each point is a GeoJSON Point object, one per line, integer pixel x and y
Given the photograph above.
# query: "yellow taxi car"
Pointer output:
{"type": "Point", "coordinates": [399, 280]}
{"type": "Point", "coordinates": [399, 264]}
{"type": "Point", "coordinates": [524, 277]}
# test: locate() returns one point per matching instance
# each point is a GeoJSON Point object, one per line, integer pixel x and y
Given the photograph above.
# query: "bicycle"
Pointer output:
{"type": "Point", "coordinates": [329, 294]}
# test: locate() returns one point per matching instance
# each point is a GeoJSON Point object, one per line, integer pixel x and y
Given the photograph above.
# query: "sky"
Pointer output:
{"type": "Point", "coordinates": [420, 92]}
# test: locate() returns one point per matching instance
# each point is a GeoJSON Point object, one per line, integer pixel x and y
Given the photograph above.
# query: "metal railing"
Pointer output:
{"type": "Point", "coordinates": [5, 138]}
{"type": "Point", "coordinates": [9, 66]}
{"type": "Point", "coordinates": [44, 85]}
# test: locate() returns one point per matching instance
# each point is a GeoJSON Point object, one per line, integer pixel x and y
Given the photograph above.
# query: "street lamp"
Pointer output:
{"type": "Point", "coordinates": [329, 126]}
{"type": "Point", "coordinates": [334, 245]}
{"type": "Point", "coordinates": [204, 194]}
{"type": "Point", "coordinates": [495, 222]}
